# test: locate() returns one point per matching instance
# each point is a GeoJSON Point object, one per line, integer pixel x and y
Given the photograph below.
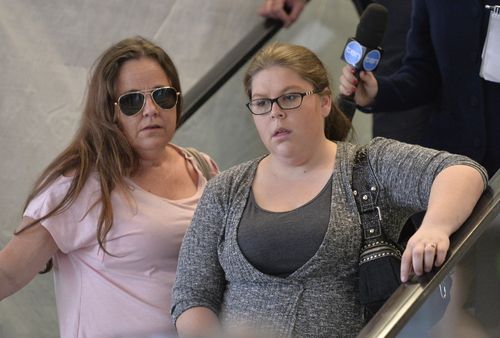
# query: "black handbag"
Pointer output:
{"type": "Point", "coordinates": [380, 258]}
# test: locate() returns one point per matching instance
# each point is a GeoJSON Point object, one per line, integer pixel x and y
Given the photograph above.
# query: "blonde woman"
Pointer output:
{"type": "Point", "coordinates": [274, 243]}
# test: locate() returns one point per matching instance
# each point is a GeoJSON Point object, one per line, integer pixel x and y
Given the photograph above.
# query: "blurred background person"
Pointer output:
{"type": "Point", "coordinates": [443, 61]}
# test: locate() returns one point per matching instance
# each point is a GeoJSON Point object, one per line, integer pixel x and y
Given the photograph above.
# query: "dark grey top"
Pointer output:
{"type": "Point", "coordinates": [320, 299]}
{"type": "Point", "coordinates": [278, 243]}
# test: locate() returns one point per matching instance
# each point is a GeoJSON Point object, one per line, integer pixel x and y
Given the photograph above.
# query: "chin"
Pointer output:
{"type": "Point", "coordinates": [282, 151]}
{"type": "Point", "coordinates": [152, 144]}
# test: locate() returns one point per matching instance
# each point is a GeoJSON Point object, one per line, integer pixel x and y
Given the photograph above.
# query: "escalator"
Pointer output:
{"type": "Point", "coordinates": [462, 298]}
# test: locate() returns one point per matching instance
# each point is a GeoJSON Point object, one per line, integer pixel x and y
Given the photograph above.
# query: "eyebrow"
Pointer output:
{"type": "Point", "coordinates": [283, 91]}
{"type": "Point", "coordinates": [144, 90]}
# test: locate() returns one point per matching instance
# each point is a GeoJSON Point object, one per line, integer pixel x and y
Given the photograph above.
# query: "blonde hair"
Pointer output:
{"type": "Point", "coordinates": [307, 64]}
{"type": "Point", "coordinates": [99, 145]}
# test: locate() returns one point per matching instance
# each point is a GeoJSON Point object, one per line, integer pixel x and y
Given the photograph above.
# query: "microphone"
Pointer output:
{"type": "Point", "coordinates": [363, 52]}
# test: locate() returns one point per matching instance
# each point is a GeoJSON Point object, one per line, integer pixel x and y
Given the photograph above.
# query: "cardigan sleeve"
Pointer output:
{"type": "Point", "coordinates": [200, 278]}
{"type": "Point", "coordinates": [406, 172]}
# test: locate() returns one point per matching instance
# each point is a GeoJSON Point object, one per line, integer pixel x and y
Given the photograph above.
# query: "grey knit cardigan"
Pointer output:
{"type": "Point", "coordinates": [320, 299]}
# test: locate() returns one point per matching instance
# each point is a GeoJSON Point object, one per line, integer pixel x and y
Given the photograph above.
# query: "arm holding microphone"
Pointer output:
{"type": "Point", "coordinates": [362, 55]}
{"type": "Point", "coordinates": [417, 82]}
{"type": "Point", "coordinates": [363, 89]}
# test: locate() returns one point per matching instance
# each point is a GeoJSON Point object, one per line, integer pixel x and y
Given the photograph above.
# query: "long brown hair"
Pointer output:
{"type": "Point", "coordinates": [99, 145]}
{"type": "Point", "coordinates": [307, 64]}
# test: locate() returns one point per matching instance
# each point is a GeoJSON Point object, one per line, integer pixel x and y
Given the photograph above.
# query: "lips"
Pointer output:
{"type": "Point", "coordinates": [151, 127]}
{"type": "Point", "coordinates": [281, 132]}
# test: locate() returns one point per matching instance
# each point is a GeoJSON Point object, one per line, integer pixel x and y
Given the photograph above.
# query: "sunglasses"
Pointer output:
{"type": "Point", "coordinates": [133, 102]}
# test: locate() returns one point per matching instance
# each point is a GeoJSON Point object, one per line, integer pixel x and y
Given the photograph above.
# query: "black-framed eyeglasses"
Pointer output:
{"type": "Point", "coordinates": [132, 103]}
{"type": "Point", "coordinates": [285, 101]}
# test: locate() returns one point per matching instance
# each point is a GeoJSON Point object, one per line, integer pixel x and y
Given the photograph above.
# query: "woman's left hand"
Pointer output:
{"type": "Point", "coordinates": [425, 249]}
{"type": "Point", "coordinates": [454, 193]}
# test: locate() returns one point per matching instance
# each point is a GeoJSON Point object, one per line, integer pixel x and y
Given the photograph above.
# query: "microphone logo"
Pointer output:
{"type": "Point", "coordinates": [353, 52]}
{"type": "Point", "coordinates": [371, 60]}
{"type": "Point", "coordinates": [361, 57]}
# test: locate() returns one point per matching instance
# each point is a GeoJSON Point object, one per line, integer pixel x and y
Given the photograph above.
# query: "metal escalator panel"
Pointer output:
{"type": "Point", "coordinates": [462, 298]}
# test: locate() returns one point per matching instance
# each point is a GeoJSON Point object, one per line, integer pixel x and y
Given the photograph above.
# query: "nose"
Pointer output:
{"type": "Point", "coordinates": [276, 111]}
{"type": "Point", "coordinates": [150, 107]}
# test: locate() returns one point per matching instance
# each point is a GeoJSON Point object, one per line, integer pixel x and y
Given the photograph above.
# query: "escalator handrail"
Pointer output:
{"type": "Point", "coordinates": [408, 298]}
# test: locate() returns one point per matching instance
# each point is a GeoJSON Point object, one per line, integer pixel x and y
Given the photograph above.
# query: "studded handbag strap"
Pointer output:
{"type": "Point", "coordinates": [366, 191]}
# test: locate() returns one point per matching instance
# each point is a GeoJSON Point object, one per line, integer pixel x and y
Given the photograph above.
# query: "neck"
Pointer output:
{"type": "Point", "coordinates": [304, 163]}
{"type": "Point", "coordinates": [154, 158]}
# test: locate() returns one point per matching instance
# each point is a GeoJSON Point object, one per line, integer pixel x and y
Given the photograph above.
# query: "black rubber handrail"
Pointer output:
{"type": "Point", "coordinates": [408, 298]}
{"type": "Point", "coordinates": [227, 67]}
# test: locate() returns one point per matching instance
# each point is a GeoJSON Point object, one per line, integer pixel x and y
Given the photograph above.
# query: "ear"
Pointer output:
{"type": "Point", "coordinates": [326, 104]}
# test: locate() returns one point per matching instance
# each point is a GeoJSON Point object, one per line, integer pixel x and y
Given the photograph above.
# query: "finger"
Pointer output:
{"type": "Point", "coordinates": [442, 249]}
{"type": "Point", "coordinates": [348, 72]}
{"type": "Point", "coordinates": [406, 265]}
{"type": "Point", "coordinates": [285, 19]}
{"type": "Point", "coordinates": [347, 83]}
{"type": "Point", "coordinates": [429, 256]}
{"type": "Point", "coordinates": [343, 91]}
{"type": "Point", "coordinates": [364, 75]}
{"type": "Point", "coordinates": [264, 9]}
{"type": "Point", "coordinates": [367, 77]}
{"type": "Point", "coordinates": [296, 10]}
{"type": "Point", "coordinates": [418, 259]}
{"type": "Point", "coordinates": [346, 89]}
{"type": "Point", "coordinates": [270, 9]}
{"type": "Point", "coordinates": [277, 11]}
{"type": "Point", "coordinates": [370, 85]}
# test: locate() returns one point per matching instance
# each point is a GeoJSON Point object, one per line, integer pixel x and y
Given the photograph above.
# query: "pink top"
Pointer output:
{"type": "Point", "coordinates": [126, 295]}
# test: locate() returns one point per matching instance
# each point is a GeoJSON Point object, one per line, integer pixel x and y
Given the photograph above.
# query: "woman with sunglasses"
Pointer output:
{"type": "Point", "coordinates": [274, 243]}
{"type": "Point", "coordinates": [111, 210]}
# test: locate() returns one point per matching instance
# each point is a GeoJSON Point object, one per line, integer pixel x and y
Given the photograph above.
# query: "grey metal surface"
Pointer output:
{"type": "Point", "coordinates": [402, 310]}
{"type": "Point", "coordinates": [46, 50]}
